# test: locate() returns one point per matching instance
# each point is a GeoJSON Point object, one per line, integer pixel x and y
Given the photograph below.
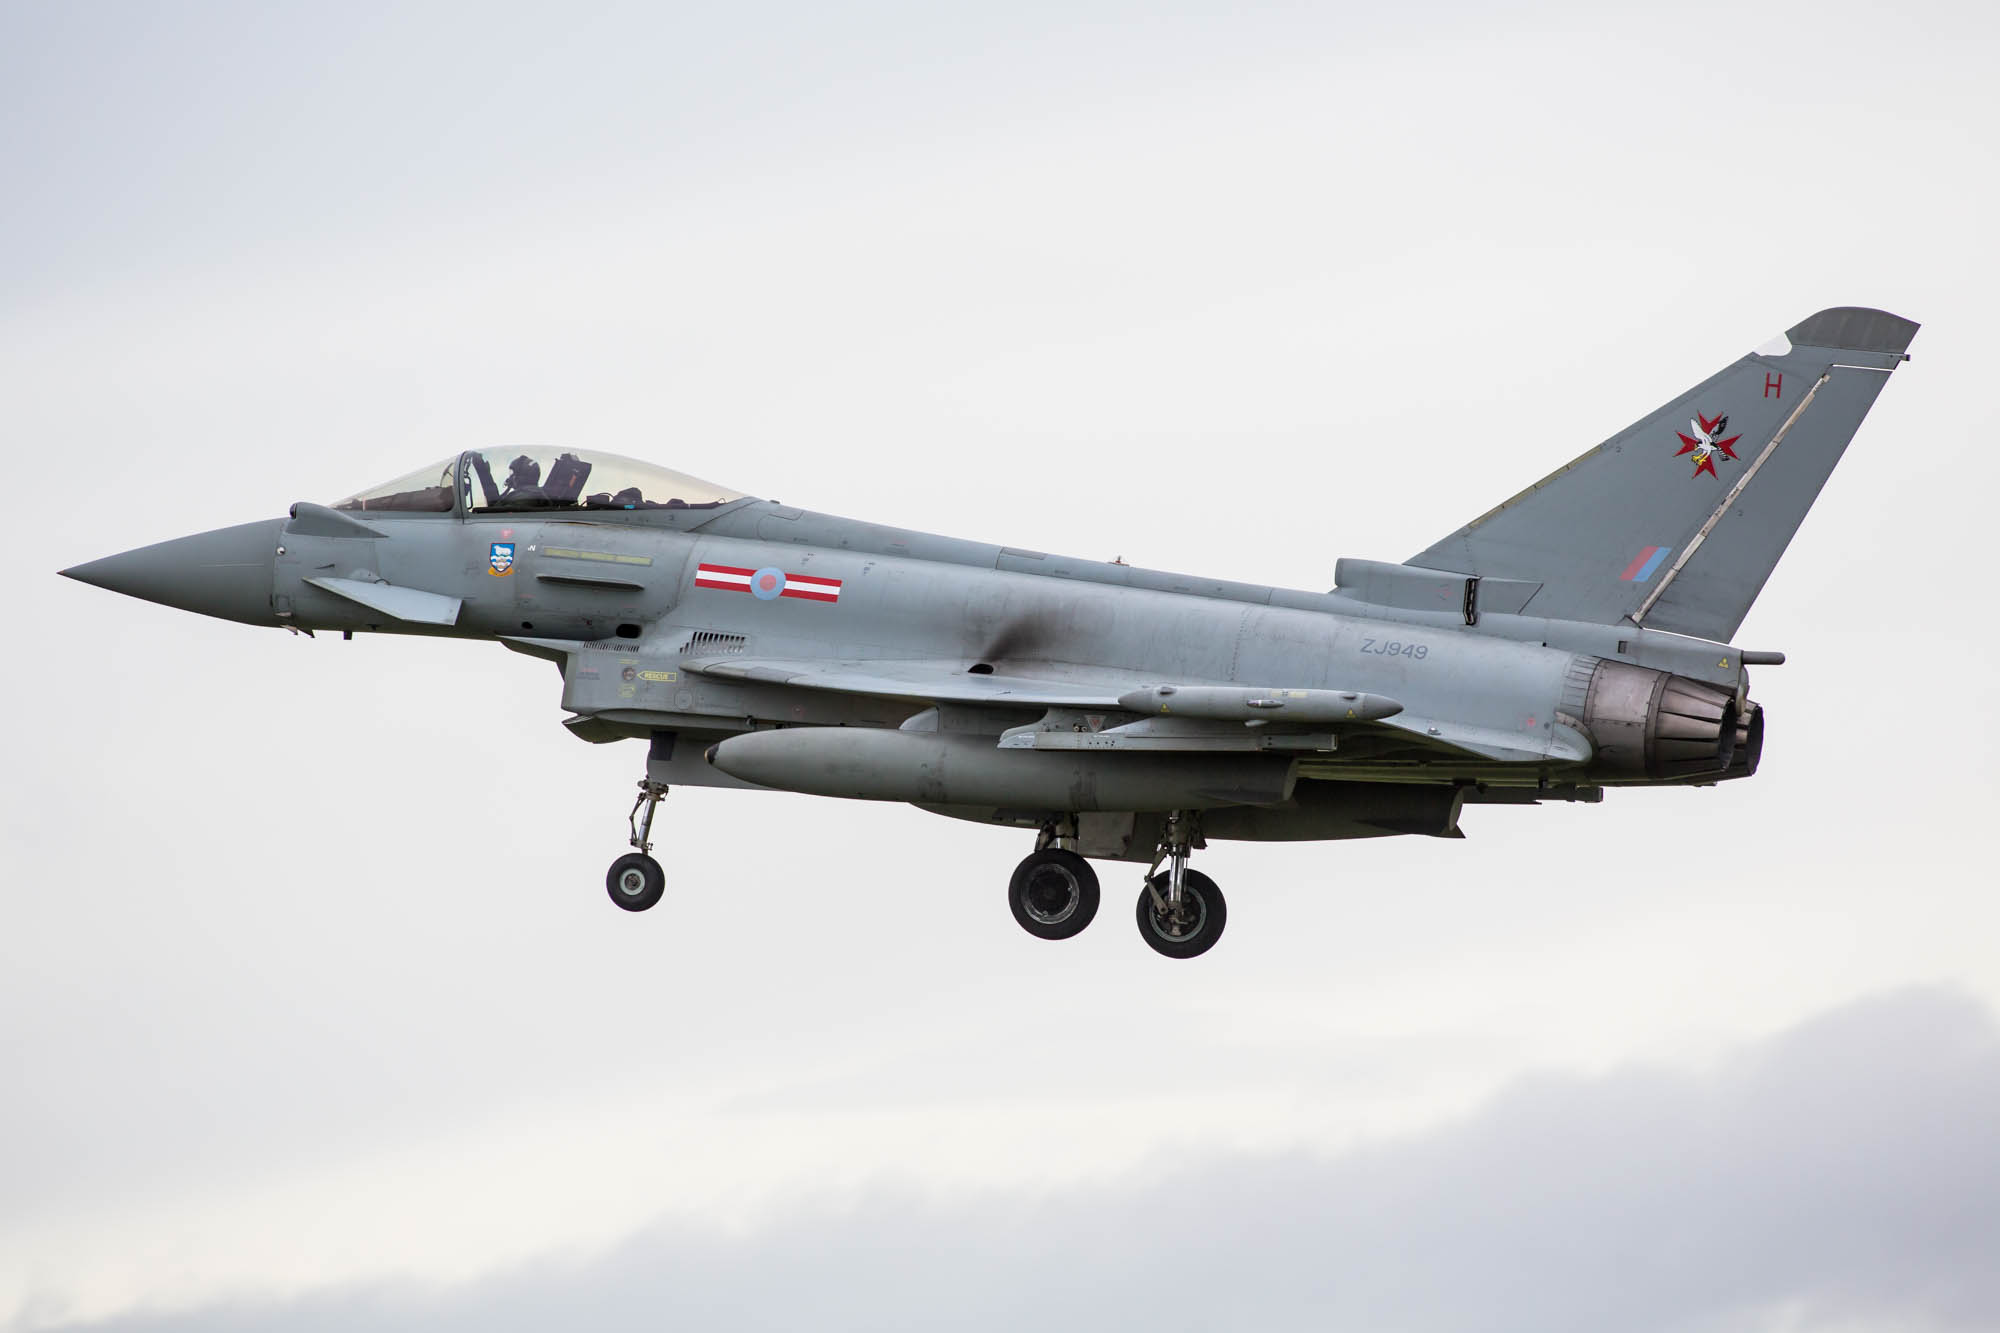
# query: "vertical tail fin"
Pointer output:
{"type": "Point", "coordinates": [1676, 521]}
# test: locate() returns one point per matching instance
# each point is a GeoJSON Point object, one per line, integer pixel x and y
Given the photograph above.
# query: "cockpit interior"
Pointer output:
{"type": "Point", "coordinates": [541, 480]}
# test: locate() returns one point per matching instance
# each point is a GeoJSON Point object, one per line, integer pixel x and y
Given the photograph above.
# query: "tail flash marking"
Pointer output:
{"type": "Point", "coordinates": [1644, 563]}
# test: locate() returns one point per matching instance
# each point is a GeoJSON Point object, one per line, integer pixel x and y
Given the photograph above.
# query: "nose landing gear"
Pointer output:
{"type": "Point", "coordinates": [1181, 911]}
{"type": "Point", "coordinates": [635, 880]}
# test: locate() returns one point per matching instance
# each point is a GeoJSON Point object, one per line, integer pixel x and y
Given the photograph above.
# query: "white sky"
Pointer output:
{"type": "Point", "coordinates": [309, 991]}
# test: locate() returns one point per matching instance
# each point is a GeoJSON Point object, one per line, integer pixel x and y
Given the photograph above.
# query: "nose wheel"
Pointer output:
{"type": "Point", "coordinates": [635, 880]}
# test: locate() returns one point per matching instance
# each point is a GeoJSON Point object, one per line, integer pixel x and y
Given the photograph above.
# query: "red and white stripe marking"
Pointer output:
{"type": "Point", "coordinates": [812, 589]}
{"type": "Point", "coordinates": [732, 578]}
{"type": "Point", "coordinates": [727, 577]}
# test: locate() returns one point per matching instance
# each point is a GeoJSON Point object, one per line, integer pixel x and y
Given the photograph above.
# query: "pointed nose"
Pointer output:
{"type": "Point", "coordinates": [226, 573]}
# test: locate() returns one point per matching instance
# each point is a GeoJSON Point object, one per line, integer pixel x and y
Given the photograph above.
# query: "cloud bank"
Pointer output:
{"type": "Point", "coordinates": [1843, 1175]}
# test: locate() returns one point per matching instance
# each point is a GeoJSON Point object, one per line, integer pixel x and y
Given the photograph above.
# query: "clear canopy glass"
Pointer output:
{"type": "Point", "coordinates": [510, 480]}
{"type": "Point", "coordinates": [504, 480]}
{"type": "Point", "coordinates": [427, 490]}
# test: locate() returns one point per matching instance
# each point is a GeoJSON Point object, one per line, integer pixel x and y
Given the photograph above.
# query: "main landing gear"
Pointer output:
{"type": "Point", "coordinates": [1181, 912]}
{"type": "Point", "coordinates": [1054, 891]}
{"type": "Point", "coordinates": [635, 880]}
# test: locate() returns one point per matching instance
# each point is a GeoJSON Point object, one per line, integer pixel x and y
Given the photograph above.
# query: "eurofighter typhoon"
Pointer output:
{"type": "Point", "coordinates": [1574, 638]}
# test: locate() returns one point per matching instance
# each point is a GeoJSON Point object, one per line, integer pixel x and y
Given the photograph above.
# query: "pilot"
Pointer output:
{"type": "Point", "coordinates": [524, 480]}
{"type": "Point", "coordinates": [628, 498]}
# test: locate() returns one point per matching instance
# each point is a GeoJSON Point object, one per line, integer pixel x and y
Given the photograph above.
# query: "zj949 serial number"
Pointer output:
{"type": "Point", "coordinates": [1396, 648]}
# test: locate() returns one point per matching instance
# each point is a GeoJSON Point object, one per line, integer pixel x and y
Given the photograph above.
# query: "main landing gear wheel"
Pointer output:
{"type": "Point", "coordinates": [635, 881]}
{"type": "Point", "coordinates": [1053, 894]}
{"type": "Point", "coordinates": [1188, 928]}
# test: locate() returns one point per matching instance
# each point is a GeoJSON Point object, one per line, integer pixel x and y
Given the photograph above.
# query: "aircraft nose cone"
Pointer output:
{"type": "Point", "coordinates": [226, 573]}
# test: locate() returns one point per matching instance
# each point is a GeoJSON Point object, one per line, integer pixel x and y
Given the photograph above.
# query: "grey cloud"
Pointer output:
{"type": "Point", "coordinates": [1844, 1174]}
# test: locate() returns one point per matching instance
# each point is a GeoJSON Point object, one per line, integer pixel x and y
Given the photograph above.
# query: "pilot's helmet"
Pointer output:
{"type": "Point", "coordinates": [523, 472]}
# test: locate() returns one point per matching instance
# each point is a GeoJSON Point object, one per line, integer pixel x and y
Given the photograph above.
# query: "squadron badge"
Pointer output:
{"type": "Point", "coordinates": [1704, 446]}
{"type": "Point", "coordinates": [500, 560]}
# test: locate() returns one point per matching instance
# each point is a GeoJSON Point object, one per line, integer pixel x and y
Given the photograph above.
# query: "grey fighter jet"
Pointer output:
{"type": "Point", "coordinates": [1573, 638]}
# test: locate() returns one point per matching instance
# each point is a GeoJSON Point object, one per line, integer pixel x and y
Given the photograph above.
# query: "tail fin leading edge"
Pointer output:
{"type": "Point", "coordinates": [1677, 521]}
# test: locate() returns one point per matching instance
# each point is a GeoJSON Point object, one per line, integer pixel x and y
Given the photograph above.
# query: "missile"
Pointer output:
{"type": "Point", "coordinates": [1237, 703]}
{"type": "Point", "coordinates": [933, 768]}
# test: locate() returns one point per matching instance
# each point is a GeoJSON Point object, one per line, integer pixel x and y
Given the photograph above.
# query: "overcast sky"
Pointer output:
{"type": "Point", "coordinates": [312, 1008]}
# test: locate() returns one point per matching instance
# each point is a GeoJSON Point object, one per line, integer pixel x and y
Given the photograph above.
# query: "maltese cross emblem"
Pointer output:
{"type": "Point", "coordinates": [1704, 446]}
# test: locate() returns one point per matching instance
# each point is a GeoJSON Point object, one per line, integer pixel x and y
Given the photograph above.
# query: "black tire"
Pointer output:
{"type": "Point", "coordinates": [1209, 915]}
{"type": "Point", "coordinates": [635, 881]}
{"type": "Point", "coordinates": [1053, 894]}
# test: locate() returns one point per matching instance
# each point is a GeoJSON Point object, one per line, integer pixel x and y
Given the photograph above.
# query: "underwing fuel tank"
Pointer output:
{"type": "Point", "coordinates": [1649, 725]}
{"type": "Point", "coordinates": [942, 769]}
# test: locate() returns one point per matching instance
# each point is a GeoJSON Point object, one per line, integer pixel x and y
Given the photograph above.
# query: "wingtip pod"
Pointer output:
{"type": "Point", "coordinates": [1851, 328]}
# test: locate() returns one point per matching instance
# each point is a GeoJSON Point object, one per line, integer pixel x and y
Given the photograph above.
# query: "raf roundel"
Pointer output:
{"type": "Point", "coordinates": [767, 584]}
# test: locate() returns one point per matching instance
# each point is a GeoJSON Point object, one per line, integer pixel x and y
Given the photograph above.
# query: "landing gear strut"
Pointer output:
{"type": "Point", "coordinates": [635, 880]}
{"type": "Point", "coordinates": [1181, 911]}
{"type": "Point", "coordinates": [1053, 893]}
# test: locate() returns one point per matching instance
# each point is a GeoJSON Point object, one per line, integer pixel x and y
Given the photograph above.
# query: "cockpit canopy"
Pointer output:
{"type": "Point", "coordinates": [427, 490]}
{"type": "Point", "coordinates": [520, 480]}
